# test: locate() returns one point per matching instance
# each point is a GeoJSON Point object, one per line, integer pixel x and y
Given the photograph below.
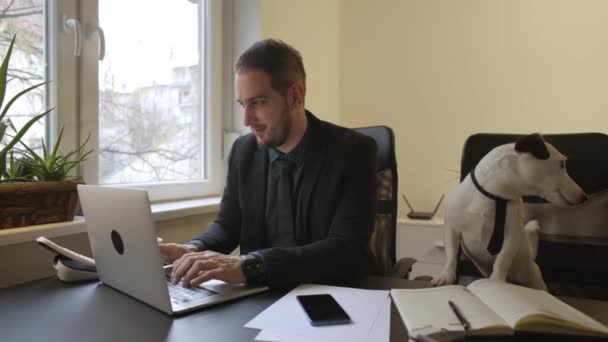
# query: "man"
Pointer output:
{"type": "Point", "coordinates": [300, 194]}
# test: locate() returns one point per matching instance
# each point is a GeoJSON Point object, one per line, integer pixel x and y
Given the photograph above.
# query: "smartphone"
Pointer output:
{"type": "Point", "coordinates": [322, 309]}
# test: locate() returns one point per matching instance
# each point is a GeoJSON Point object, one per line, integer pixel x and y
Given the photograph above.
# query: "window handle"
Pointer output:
{"type": "Point", "coordinates": [92, 29]}
{"type": "Point", "coordinates": [74, 25]}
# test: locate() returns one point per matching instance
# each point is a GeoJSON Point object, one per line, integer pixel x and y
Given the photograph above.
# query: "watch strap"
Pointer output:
{"type": "Point", "coordinates": [253, 268]}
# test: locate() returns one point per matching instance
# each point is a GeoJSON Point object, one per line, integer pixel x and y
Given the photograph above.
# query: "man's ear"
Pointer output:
{"type": "Point", "coordinates": [298, 92]}
{"type": "Point", "coordinates": [533, 144]}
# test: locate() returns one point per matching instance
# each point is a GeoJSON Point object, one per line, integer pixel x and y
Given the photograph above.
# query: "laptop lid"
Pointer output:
{"type": "Point", "coordinates": [123, 241]}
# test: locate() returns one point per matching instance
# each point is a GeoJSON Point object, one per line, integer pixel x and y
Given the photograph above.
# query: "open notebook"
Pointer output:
{"type": "Point", "coordinates": [493, 308]}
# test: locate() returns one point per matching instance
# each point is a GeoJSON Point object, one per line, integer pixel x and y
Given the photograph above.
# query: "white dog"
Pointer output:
{"type": "Point", "coordinates": [485, 212]}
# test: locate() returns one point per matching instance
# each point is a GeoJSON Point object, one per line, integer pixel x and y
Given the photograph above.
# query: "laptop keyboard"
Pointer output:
{"type": "Point", "coordinates": [181, 295]}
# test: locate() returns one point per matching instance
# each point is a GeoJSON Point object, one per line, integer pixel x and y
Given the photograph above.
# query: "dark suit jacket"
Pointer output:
{"type": "Point", "coordinates": [335, 212]}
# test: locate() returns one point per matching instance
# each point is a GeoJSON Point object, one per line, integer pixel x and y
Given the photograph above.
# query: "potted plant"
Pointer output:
{"type": "Point", "coordinates": [34, 188]}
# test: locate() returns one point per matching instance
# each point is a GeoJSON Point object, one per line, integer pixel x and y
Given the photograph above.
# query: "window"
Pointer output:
{"type": "Point", "coordinates": [27, 64]}
{"type": "Point", "coordinates": [141, 85]}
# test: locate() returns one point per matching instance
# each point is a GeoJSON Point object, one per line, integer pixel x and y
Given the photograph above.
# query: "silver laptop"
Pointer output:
{"type": "Point", "coordinates": [123, 240]}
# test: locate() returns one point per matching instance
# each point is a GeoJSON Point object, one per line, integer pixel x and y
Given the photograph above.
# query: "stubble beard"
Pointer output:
{"type": "Point", "coordinates": [281, 131]}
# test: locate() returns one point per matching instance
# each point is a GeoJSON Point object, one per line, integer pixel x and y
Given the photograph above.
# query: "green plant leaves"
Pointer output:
{"type": "Point", "coordinates": [17, 139]}
{"type": "Point", "coordinates": [27, 165]}
{"type": "Point", "coordinates": [4, 70]}
{"type": "Point", "coordinates": [3, 126]}
{"type": "Point", "coordinates": [53, 166]}
{"type": "Point", "coordinates": [16, 170]}
{"type": "Point", "coordinates": [16, 97]}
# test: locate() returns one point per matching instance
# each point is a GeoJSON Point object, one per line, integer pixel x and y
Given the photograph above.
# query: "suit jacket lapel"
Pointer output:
{"type": "Point", "coordinates": [314, 160]}
{"type": "Point", "coordinates": [256, 198]}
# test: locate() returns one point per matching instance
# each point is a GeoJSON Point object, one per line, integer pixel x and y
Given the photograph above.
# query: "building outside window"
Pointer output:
{"type": "Point", "coordinates": [139, 84]}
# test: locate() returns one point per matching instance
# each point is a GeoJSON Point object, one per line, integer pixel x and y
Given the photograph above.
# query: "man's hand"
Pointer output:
{"type": "Point", "coordinates": [174, 251]}
{"type": "Point", "coordinates": [196, 268]}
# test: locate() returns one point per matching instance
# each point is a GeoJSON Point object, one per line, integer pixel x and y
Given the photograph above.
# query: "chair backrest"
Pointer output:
{"type": "Point", "coordinates": [382, 242]}
{"type": "Point", "coordinates": [587, 160]}
{"type": "Point", "coordinates": [561, 259]}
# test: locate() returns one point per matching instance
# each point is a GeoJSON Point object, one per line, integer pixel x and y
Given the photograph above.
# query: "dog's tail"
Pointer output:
{"type": "Point", "coordinates": [533, 230]}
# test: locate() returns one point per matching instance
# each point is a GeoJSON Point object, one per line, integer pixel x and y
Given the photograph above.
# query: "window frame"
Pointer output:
{"type": "Point", "coordinates": [79, 114]}
{"type": "Point", "coordinates": [61, 72]}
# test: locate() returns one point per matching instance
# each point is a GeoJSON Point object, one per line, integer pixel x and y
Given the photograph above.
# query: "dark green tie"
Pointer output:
{"type": "Point", "coordinates": [285, 168]}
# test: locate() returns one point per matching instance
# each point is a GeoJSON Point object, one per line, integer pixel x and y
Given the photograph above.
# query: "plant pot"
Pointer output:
{"type": "Point", "coordinates": [30, 203]}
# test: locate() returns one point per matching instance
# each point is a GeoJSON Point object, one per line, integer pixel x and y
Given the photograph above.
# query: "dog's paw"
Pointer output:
{"type": "Point", "coordinates": [444, 279]}
{"type": "Point", "coordinates": [497, 276]}
{"type": "Point", "coordinates": [532, 227]}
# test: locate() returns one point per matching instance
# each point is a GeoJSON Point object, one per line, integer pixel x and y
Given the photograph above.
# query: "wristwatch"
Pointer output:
{"type": "Point", "coordinates": [253, 268]}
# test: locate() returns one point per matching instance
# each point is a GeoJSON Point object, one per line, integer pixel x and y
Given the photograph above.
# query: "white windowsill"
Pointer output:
{"type": "Point", "coordinates": [160, 212]}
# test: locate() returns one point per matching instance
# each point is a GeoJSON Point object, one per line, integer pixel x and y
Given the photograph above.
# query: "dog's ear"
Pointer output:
{"type": "Point", "coordinates": [533, 144]}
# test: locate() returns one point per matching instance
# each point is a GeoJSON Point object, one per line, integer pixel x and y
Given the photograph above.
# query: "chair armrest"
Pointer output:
{"type": "Point", "coordinates": [402, 268]}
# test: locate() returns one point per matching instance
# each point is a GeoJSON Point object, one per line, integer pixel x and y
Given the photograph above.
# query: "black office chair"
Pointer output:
{"type": "Point", "coordinates": [382, 242]}
{"type": "Point", "coordinates": [571, 266]}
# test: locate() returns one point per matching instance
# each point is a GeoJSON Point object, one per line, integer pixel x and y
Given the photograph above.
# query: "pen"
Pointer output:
{"type": "Point", "coordinates": [459, 315]}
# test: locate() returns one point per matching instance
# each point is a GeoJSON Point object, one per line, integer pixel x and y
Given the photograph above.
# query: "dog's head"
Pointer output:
{"type": "Point", "coordinates": [542, 169]}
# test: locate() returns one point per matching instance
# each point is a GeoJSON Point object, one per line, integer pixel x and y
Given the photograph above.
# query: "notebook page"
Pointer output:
{"type": "Point", "coordinates": [423, 307]}
{"type": "Point", "coordinates": [51, 246]}
{"type": "Point", "coordinates": [514, 303]}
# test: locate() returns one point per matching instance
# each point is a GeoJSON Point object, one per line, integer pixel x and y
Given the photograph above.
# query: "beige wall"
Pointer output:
{"type": "Point", "coordinates": [437, 71]}
{"type": "Point", "coordinates": [27, 261]}
{"type": "Point", "coordinates": [310, 26]}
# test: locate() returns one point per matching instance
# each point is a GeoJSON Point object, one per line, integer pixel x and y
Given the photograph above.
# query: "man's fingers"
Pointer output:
{"type": "Point", "coordinates": [171, 251]}
{"type": "Point", "coordinates": [175, 266]}
{"type": "Point", "coordinates": [181, 266]}
{"type": "Point", "coordinates": [186, 262]}
{"type": "Point", "coordinates": [179, 261]}
{"type": "Point", "coordinates": [197, 267]}
{"type": "Point", "coordinates": [206, 276]}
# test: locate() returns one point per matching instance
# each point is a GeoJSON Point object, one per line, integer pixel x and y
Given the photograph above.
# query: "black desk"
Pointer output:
{"type": "Point", "coordinates": [49, 311]}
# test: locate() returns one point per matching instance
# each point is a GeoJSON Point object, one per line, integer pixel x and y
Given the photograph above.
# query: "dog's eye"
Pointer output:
{"type": "Point", "coordinates": [562, 164]}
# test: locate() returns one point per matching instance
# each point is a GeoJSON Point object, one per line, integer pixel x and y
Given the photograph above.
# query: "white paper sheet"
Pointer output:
{"type": "Point", "coordinates": [286, 320]}
{"type": "Point", "coordinates": [380, 331]}
{"type": "Point", "coordinates": [269, 336]}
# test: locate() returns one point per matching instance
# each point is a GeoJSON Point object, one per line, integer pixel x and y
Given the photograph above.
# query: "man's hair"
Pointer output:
{"type": "Point", "coordinates": [279, 60]}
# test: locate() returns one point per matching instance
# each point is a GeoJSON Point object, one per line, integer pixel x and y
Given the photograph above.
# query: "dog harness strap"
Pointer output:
{"type": "Point", "coordinates": [500, 216]}
{"type": "Point", "coordinates": [498, 234]}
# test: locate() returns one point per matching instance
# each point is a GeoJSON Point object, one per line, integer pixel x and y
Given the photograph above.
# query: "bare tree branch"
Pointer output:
{"type": "Point", "coordinates": [24, 8]}
{"type": "Point", "coordinates": [28, 78]}
{"type": "Point", "coordinates": [167, 154]}
{"type": "Point", "coordinates": [18, 15]}
{"type": "Point", "coordinates": [8, 7]}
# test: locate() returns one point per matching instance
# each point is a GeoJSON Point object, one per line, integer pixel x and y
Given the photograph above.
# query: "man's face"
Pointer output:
{"type": "Point", "coordinates": [266, 111]}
